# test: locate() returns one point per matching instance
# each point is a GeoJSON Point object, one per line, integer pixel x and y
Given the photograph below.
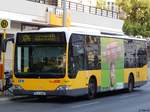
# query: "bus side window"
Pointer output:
{"type": "Point", "coordinates": [76, 55]}
{"type": "Point", "coordinates": [130, 53]}
{"type": "Point", "coordinates": [92, 49]}
{"type": "Point", "coordinates": [141, 54]}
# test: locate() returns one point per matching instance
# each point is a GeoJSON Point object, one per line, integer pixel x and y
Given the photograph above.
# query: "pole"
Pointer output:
{"type": "Point", "coordinates": [64, 14]}
{"type": "Point", "coordinates": [3, 60]}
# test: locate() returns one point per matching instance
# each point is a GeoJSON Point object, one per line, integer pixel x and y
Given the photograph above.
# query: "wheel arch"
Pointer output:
{"type": "Point", "coordinates": [131, 75]}
{"type": "Point", "coordinates": [93, 77]}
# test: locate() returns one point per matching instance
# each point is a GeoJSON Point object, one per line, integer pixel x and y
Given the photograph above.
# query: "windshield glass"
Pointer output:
{"type": "Point", "coordinates": [40, 60]}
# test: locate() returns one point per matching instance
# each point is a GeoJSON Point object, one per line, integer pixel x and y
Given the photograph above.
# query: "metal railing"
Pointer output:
{"type": "Point", "coordinates": [92, 10]}
{"type": "Point", "coordinates": [83, 8]}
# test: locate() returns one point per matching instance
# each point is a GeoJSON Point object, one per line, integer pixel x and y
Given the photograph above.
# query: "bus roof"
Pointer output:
{"type": "Point", "coordinates": [80, 30]}
{"type": "Point", "coordinates": [71, 30]}
{"type": "Point", "coordinates": [88, 31]}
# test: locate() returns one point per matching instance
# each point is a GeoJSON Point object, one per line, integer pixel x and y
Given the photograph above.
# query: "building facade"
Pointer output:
{"type": "Point", "coordinates": [85, 2]}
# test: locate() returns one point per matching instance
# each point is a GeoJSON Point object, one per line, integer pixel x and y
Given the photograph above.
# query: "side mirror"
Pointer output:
{"type": "Point", "coordinates": [4, 43]}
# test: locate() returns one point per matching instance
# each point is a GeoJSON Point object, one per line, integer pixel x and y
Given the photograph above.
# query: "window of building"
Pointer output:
{"type": "Point", "coordinates": [49, 2]}
{"type": "Point", "coordinates": [27, 27]}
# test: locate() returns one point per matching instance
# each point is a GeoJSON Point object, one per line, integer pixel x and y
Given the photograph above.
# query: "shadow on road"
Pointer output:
{"type": "Point", "coordinates": [68, 100]}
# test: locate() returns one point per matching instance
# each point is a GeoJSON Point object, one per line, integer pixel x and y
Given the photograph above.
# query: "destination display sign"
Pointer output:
{"type": "Point", "coordinates": [24, 38]}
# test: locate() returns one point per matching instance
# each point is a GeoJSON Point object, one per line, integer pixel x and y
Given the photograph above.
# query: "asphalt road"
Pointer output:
{"type": "Point", "coordinates": [120, 101]}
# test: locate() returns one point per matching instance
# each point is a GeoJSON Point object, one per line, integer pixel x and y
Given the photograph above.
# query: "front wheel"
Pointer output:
{"type": "Point", "coordinates": [92, 88]}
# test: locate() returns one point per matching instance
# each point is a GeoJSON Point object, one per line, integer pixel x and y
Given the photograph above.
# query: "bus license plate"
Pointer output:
{"type": "Point", "coordinates": [39, 93]}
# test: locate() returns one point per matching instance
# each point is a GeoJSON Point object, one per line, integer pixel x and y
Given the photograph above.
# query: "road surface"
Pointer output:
{"type": "Point", "coordinates": [120, 101]}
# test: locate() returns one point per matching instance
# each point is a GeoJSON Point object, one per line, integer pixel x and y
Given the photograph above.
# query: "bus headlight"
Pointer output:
{"type": "Point", "coordinates": [63, 88]}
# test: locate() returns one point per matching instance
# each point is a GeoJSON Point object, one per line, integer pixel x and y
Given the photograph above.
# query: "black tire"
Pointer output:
{"type": "Point", "coordinates": [92, 88]}
{"type": "Point", "coordinates": [131, 84]}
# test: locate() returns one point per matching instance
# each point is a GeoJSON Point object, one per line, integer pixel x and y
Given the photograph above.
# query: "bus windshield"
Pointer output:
{"type": "Point", "coordinates": [37, 56]}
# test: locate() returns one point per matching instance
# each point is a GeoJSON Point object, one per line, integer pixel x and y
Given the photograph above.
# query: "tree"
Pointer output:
{"type": "Point", "coordinates": [137, 21]}
{"type": "Point", "coordinates": [101, 4]}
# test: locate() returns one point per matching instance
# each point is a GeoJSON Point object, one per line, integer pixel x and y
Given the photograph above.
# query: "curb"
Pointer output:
{"type": "Point", "coordinates": [4, 99]}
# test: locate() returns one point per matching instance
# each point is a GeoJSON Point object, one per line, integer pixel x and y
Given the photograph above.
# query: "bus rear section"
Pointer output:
{"type": "Point", "coordinates": [40, 63]}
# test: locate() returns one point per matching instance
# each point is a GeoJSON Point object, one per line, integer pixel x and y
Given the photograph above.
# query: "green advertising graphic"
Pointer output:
{"type": "Point", "coordinates": [112, 63]}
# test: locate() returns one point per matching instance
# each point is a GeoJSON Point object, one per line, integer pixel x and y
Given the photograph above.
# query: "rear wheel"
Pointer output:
{"type": "Point", "coordinates": [131, 84]}
{"type": "Point", "coordinates": [92, 88]}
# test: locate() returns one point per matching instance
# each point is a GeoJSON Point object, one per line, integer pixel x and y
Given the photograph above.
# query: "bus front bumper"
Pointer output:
{"type": "Point", "coordinates": [74, 92]}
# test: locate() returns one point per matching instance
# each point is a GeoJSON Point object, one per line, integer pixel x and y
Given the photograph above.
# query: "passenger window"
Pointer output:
{"type": "Point", "coordinates": [130, 53]}
{"type": "Point", "coordinates": [92, 52]}
{"type": "Point", "coordinates": [135, 53]}
{"type": "Point", "coordinates": [141, 54]}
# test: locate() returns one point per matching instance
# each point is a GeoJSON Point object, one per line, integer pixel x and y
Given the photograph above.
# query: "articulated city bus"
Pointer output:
{"type": "Point", "coordinates": [77, 61]}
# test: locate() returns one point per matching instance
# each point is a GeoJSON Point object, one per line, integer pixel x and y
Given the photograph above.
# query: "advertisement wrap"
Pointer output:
{"type": "Point", "coordinates": [112, 63]}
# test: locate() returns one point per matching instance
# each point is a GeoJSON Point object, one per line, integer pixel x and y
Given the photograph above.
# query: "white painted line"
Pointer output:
{"type": "Point", "coordinates": [82, 105]}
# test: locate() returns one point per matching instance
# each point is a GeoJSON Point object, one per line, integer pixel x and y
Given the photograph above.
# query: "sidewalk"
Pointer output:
{"type": "Point", "coordinates": [4, 98]}
{"type": "Point", "coordinates": [5, 95]}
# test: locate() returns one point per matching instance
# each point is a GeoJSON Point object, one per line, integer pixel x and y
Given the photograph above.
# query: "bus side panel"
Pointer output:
{"type": "Point", "coordinates": [144, 73]}
{"type": "Point", "coordinates": [38, 84]}
{"type": "Point", "coordinates": [82, 79]}
{"type": "Point", "coordinates": [140, 77]}
{"type": "Point", "coordinates": [127, 72]}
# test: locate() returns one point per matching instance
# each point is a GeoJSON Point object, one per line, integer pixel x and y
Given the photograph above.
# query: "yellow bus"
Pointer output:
{"type": "Point", "coordinates": [77, 61]}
